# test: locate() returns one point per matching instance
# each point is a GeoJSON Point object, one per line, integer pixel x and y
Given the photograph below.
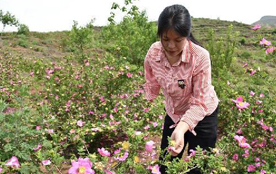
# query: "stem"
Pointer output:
{"type": "Point", "coordinates": [57, 169]}
{"type": "Point", "coordinates": [86, 149]}
{"type": "Point", "coordinates": [117, 165]}
{"type": "Point", "coordinates": [189, 170]}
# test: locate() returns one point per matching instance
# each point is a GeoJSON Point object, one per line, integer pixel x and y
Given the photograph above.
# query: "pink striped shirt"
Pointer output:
{"type": "Point", "coordinates": [197, 99]}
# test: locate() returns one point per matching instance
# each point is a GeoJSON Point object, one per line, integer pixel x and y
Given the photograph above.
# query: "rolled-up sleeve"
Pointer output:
{"type": "Point", "coordinates": [151, 86]}
{"type": "Point", "coordinates": [202, 92]}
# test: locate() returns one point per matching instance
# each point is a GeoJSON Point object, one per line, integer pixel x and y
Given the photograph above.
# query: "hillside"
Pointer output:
{"type": "Point", "coordinates": [267, 21]}
{"type": "Point", "coordinates": [78, 95]}
{"type": "Point", "coordinates": [53, 44]}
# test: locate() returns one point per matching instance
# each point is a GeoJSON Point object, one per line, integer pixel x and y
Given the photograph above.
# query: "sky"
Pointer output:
{"type": "Point", "coordinates": [58, 15]}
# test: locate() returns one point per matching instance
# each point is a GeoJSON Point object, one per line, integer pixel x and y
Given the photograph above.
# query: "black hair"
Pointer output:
{"type": "Point", "coordinates": [178, 18]}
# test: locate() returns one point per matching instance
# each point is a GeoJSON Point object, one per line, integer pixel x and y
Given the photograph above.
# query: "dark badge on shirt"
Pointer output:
{"type": "Point", "coordinates": [181, 84]}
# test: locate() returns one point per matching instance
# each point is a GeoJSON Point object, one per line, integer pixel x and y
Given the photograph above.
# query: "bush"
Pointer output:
{"type": "Point", "coordinates": [132, 37]}
{"type": "Point", "coordinates": [22, 41]}
{"type": "Point", "coordinates": [18, 137]}
{"type": "Point", "coordinates": [221, 50]}
{"type": "Point", "coordinates": [80, 39]}
{"type": "Point", "coordinates": [8, 19]}
{"type": "Point", "coordinates": [243, 40]}
{"type": "Point", "coordinates": [23, 29]}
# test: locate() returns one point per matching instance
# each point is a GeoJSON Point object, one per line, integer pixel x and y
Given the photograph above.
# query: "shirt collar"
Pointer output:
{"type": "Point", "coordinates": [185, 55]}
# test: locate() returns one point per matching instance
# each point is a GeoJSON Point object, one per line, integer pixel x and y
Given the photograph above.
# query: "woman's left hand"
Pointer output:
{"type": "Point", "coordinates": [178, 138]}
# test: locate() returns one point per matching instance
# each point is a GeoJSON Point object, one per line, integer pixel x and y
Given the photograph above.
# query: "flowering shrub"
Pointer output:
{"type": "Point", "coordinates": [87, 112]}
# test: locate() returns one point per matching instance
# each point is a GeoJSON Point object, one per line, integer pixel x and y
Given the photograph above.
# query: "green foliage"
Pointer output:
{"type": "Point", "coordinates": [23, 41]}
{"type": "Point", "coordinates": [80, 39]}
{"type": "Point", "coordinates": [23, 29]}
{"type": "Point", "coordinates": [132, 37]}
{"type": "Point", "coordinates": [83, 103]}
{"type": "Point", "coordinates": [221, 50]}
{"type": "Point", "coordinates": [246, 54]}
{"type": "Point", "coordinates": [274, 31]}
{"type": "Point", "coordinates": [205, 161]}
{"type": "Point", "coordinates": [8, 19]}
{"type": "Point", "coordinates": [18, 137]}
{"type": "Point", "coordinates": [243, 40]}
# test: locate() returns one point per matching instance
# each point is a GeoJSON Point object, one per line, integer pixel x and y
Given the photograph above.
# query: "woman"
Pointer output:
{"type": "Point", "coordinates": [182, 68]}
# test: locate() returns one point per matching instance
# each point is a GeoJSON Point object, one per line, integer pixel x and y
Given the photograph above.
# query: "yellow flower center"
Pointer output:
{"type": "Point", "coordinates": [241, 103]}
{"type": "Point", "coordinates": [125, 145]}
{"type": "Point", "coordinates": [136, 159]}
{"type": "Point", "coordinates": [82, 169]}
{"type": "Point", "coordinates": [223, 169]}
{"type": "Point", "coordinates": [154, 170]}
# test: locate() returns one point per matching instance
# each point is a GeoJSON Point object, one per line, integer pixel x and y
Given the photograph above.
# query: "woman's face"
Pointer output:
{"type": "Point", "coordinates": [173, 43]}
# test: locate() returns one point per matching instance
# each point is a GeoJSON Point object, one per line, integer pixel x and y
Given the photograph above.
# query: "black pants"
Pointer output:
{"type": "Point", "coordinates": [206, 131]}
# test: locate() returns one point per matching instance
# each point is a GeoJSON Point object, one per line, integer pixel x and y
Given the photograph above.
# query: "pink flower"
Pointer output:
{"type": "Point", "coordinates": [13, 162]}
{"type": "Point", "coordinates": [57, 68]}
{"type": "Point", "coordinates": [252, 93]}
{"type": "Point", "coordinates": [235, 157]}
{"type": "Point", "coordinates": [246, 154]}
{"type": "Point", "coordinates": [129, 75]}
{"type": "Point", "coordinates": [256, 27]}
{"type": "Point", "coordinates": [50, 131]}
{"type": "Point", "coordinates": [146, 127]}
{"type": "Point", "coordinates": [149, 146]}
{"type": "Point", "coordinates": [102, 99]}
{"type": "Point", "coordinates": [109, 172]}
{"type": "Point", "coordinates": [115, 109]}
{"type": "Point", "coordinates": [155, 124]}
{"type": "Point", "coordinates": [154, 169]}
{"type": "Point", "coordinates": [38, 147]}
{"type": "Point", "coordinates": [95, 129]}
{"type": "Point", "coordinates": [103, 152]}
{"type": "Point", "coordinates": [122, 158]}
{"type": "Point", "coordinates": [146, 109]}
{"type": "Point", "coordinates": [49, 71]}
{"type": "Point", "coordinates": [239, 131]}
{"type": "Point", "coordinates": [262, 95]}
{"type": "Point", "coordinates": [46, 162]}
{"type": "Point", "coordinates": [245, 64]}
{"type": "Point", "coordinates": [270, 50]}
{"type": "Point", "coordinates": [80, 123]}
{"type": "Point", "coordinates": [242, 141]}
{"type": "Point", "coordinates": [106, 67]}
{"type": "Point", "coordinates": [251, 168]}
{"type": "Point", "coordinates": [192, 153]}
{"type": "Point", "coordinates": [82, 166]}
{"type": "Point", "coordinates": [137, 133]}
{"type": "Point", "coordinates": [72, 131]}
{"type": "Point", "coordinates": [253, 72]}
{"type": "Point", "coordinates": [240, 104]}
{"type": "Point", "coordinates": [265, 42]}
{"type": "Point", "coordinates": [1, 169]}
{"type": "Point", "coordinates": [263, 171]}
{"type": "Point", "coordinates": [37, 127]}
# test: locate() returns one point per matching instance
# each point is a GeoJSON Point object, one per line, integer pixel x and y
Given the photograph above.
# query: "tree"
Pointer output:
{"type": "Point", "coordinates": [8, 19]}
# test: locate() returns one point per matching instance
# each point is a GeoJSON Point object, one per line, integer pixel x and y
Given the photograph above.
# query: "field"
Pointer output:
{"type": "Point", "coordinates": [74, 100]}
